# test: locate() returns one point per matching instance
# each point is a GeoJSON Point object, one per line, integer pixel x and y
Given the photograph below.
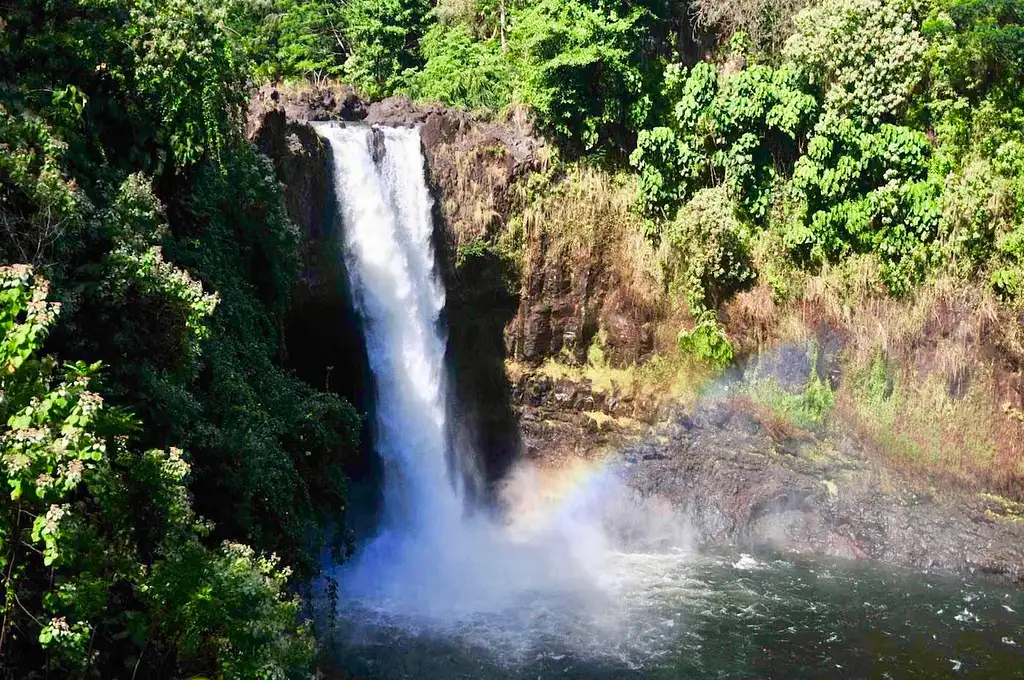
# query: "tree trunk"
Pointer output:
{"type": "Point", "coordinates": [502, 5]}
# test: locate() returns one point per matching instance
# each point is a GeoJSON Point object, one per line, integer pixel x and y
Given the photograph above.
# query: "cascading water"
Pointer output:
{"type": "Point", "coordinates": [432, 556]}
{"type": "Point", "coordinates": [388, 232]}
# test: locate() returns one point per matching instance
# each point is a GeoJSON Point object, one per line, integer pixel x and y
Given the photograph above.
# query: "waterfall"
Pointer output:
{"type": "Point", "coordinates": [432, 556]}
{"type": "Point", "coordinates": [388, 244]}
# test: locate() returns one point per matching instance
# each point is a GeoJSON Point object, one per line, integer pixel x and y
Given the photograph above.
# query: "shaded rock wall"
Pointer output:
{"type": "Point", "coordinates": [323, 341]}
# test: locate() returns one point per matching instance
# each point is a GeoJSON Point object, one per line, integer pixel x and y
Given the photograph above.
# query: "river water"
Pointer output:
{"type": "Point", "coordinates": [712, 616]}
{"type": "Point", "coordinates": [567, 584]}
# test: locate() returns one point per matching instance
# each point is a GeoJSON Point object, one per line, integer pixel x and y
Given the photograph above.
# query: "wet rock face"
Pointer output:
{"type": "Point", "coordinates": [564, 421]}
{"type": "Point", "coordinates": [302, 164]}
{"type": "Point", "coordinates": [303, 104]}
{"type": "Point", "coordinates": [736, 484]}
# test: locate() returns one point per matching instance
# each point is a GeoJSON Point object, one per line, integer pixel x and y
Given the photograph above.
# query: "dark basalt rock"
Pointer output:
{"type": "Point", "coordinates": [377, 148]}
{"type": "Point", "coordinates": [304, 104]}
{"type": "Point", "coordinates": [732, 485]}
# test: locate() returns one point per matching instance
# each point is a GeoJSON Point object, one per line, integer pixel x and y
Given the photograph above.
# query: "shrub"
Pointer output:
{"type": "Point", "coordinates": [460, 70]}
{"type": "Point", "coordinates": [866, 55]}
{"type": "Point", "coordinates": [1007, 283]}
{"type": "Point", "coordinates": [806, 405]}
{"type": "Point", "coordinates": [669, 168]}
{"type": "Point", "coordinates": [745, 131]}
{"type": "Point", "coordinates": [976, 48]}
{"type": "Point", "coordinates": [807, 409]}
{"type": "Point", "coordinates": [40, 209]}
{"type": "Point", "coordinates": [309, 38]}
{"type": "Point", "coordinates": [708, 342]}
{"type": "Point", "coordinates": [866, 192]}
{"type": "Point", "coordinates": [976, 207]}
{"type": "Point", "coordinates": [288, 486]}
{"type": "Point", "coordinates": [581, 70]}
{"type": "Point", "coordinates": [705, 250]}
{"type": "Point", "coordinates": [187, 69]}
{"type": "Point", "coordinates": [95, 531]}
{"type": "Point", "coordinates": [765, 22]}
{"type": "Point", "coordinates": [481, 17]}
{"type": "Point", "coordinates": [383, 38]}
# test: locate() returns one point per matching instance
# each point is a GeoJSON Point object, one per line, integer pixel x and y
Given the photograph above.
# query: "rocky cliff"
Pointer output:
{"type": "Point", "coordinates": [520, 286]}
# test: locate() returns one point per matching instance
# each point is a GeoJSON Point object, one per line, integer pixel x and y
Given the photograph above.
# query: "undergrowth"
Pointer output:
{"type": "Point", "coordinates": [807, 409]}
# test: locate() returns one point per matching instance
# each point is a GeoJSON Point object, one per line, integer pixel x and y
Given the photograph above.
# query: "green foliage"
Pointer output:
{"type": "Point", "coordinates": [39, 206]}
{"type": "Point", "coordinates": [977, 207]}
{"type": "Point", "coordinates": [867, 192]}
{"type": "Point", "coordinates": [1008, 283]}
{"type": "Point", "coordinates": [382, 38]}
{"type": "Point", "coordinates": [124, 176]}
{"type": "Point", "coordinates": [807, 409]}
{"type": "Point", "coordinates": [238, 602]}
{"type": "Point", "coordinates": [695, 93]}
{"type": "Point", "coordinates": [460, 70]}
{"type": "Point", "coordinates": [91, 519]}
{"type": "Point", "coordinates": [311, 38]}
{"type": "Point", "coordinates": [743, 131]}
{"type": "Point", "coordinates": [976, 48]}
{"type": "Point", "coordinates": [472, 250]}
{"type": "Point", "coordinates": [135, 266]}
{"type": "Point", "coordinates": [708, 254]}
{"type": "Point", "coordinates": [865, 139]}
{"type": "Point", "coordinates": [757, 118]}
{"type": "Point", "coordinates": [765, 23]}
{"type": "Point", "coordinates": [481, 17]}
{"type": "Point", "coordinates": [187, 70]}
{"type": "Point", "coordinates": [165, 71]}
{"type": "Point", "coordinates": [707, 341]}
{"type": "Point", "coordinates": [581, 70]}
{"type": "Point", "coordinates": [287, 486]}
{"type": "Point", "coordinates": [668, 169]}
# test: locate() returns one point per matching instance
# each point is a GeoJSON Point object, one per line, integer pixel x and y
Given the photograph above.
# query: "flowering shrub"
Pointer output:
{"type": "Point", "coordinates": [89, 520]}
{"type": "Point", "coordinates": [707, 258]}
{"type": "Point", "coordinates": [866, 55]}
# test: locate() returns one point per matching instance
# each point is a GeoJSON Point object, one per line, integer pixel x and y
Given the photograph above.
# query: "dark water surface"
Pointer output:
{"type": "Point", "coordinates": [724, 616]}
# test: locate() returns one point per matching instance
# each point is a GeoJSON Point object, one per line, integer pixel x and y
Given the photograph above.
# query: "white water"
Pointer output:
{"type": "Point", "coordinates": [435, 564]}
{"type": "Point", "coordinates": [399, 296]}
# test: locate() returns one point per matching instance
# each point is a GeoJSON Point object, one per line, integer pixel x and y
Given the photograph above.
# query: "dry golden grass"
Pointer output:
{"type": "Point", "coordinates": [949, 408]}
{"type": "Point", "coordinates": [778, 428]}
{"type": "Point", "coordinates": [947, 352]}
{"type": "Point", "coordinates": [586, 217]}
{"type": "Point", "coordinates": [577, 240]}
{"type": "Point", "coordinates": [753, 319]}
{"type": "Point", "coordinates": [674, 378]}
{"type": "Point", "coordinates": [477, 188]}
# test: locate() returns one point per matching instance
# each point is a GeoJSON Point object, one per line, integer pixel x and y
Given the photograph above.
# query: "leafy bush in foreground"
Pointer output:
{"type": "Point", "coordinates": [101, 557]}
